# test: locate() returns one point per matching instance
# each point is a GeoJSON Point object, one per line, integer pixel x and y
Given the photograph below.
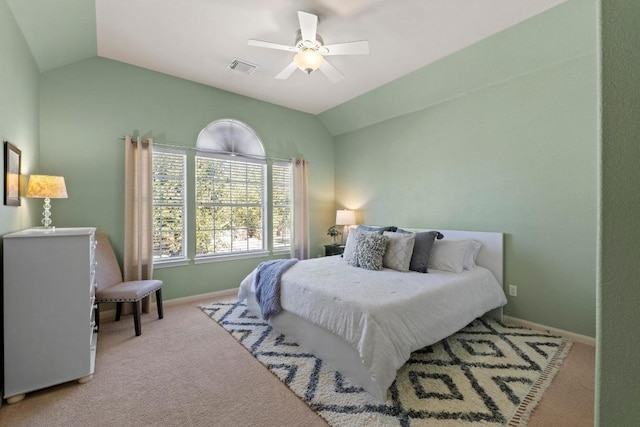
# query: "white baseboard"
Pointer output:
{"type": "Point", "coordinates": [111, 314]}
{"type": "Point", "coordinates": [583, 339]}
{"type": "Point", "coordinates": [192, 298]}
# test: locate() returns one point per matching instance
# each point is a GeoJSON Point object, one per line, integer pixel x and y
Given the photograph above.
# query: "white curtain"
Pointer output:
{"type": "Point", "coordinates": [138, 216]}
{"type": "Point", "coordinates": [302, 248]}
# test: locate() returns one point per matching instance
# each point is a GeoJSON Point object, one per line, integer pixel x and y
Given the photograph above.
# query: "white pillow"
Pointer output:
{"type": "Point", "coordinates": [471, 255]}
{"type": "Point", "coordinates": [350, 252]}
{"type": "Point", "coordinates": [399, 250]}
{"type": "Point", "coordinates": [448, 255]}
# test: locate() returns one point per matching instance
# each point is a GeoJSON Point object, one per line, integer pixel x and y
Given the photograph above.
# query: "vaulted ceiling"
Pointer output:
{"type": "Point", "coordinates": [197, 39]}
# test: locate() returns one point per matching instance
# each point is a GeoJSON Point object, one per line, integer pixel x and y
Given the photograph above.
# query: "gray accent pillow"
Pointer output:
{"type": "Point", "coordinates": [370, 250]}
{"type": "Point", "coordinates": [376, 229]}
{"type": "Point", "coordinates": [350, 253]}
{"type": "Point", "coordinates": [421, 247]}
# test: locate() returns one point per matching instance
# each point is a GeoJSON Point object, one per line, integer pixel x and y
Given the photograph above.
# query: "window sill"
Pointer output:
{"type": "Point", "coordinates": [171, 263]}
{"type": "Point", "coordinates": [283, 251]}
{"type": "Point", "coordinates": [230, 257]}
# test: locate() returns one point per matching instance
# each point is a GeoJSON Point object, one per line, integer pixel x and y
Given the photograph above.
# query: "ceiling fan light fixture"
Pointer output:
{"type": "Point", "coordinates": [310, 50]}
{"type": "Point", "coordinates": [308, 60]}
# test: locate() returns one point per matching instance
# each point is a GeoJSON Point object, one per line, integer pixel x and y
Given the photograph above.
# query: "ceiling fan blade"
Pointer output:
{"type": "Point", "coordinates": [284, 74]}
{"type": "Point", "coordinates": [308, 26]}
{"type": "Point", "coordinates": [332, 74]}
{"type": "Point", "coordinates": [269, 45]}
{"type": "Point", "coordinates": [349, 48]}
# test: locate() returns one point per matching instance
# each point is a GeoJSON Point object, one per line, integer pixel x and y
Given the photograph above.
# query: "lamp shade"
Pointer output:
{"type": "Point", "coordinates": [308, 60]}
{"type": "Point", "coordinates": [44, 186]}
{"type": "Point", "coordinates": [345, 217]}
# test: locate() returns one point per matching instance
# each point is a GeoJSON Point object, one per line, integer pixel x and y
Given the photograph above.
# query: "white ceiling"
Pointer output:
{"type": "Point", "coordinates": [197, 39]}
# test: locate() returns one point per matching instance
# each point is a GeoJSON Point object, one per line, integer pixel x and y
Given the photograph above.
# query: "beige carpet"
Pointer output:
{"type": "Point", "coordinates": [185, 371]}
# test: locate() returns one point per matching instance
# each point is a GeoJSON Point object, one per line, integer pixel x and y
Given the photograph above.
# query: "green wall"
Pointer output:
{"type": "Point", "coordinates": [88, 106]}
{"type": "Point", "coordinates": [563, 32]}
{"type": "Point", "coordinates": [505, 140]}
{"type": "Point", "coordinates": [19, 120]}
{"type": "Point", "coordinates": [618, 344]}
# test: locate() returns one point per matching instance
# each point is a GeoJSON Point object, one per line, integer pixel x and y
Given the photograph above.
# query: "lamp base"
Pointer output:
{"type": "Point", "coordinates": [345, 234]}
{"type": "Point", "coordinates": [46, 214]}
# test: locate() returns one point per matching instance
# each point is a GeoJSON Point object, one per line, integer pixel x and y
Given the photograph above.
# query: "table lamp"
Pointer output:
{"type": "Point", "coordinates": [345, 217]}
{"type": "Point", "coordinates": [47, 187]}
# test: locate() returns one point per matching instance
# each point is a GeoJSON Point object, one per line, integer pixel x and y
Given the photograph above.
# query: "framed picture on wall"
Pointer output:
{"type": "Point", "coordinates": [12, 157]}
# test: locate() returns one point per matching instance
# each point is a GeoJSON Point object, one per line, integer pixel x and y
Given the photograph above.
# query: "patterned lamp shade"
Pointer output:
{"type": "Point", "coordinates": [44, 186]}
{"type": "Point", "coordinates": [47, 187]}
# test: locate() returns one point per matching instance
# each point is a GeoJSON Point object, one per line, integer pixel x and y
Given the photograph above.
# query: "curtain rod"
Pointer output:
{"type": "Point", "coordinates": [207, 150]}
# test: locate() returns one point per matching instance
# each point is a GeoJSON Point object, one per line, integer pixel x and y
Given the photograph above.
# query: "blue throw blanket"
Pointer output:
{"type": "Point", "coordinates": [267, 285]}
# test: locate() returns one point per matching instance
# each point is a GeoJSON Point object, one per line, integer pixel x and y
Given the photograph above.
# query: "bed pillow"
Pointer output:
{"type": "Point", "coordinates": [421, 248]}
{"type": "Point", "coordinates": [399, 250]}
{"type": "Point", "coordinates": [349, 253]}
{"type": "Point", "coordinates": [370, 250]}
{"type": "Point", "coordinates": [471, 255]}
{"type": "Point", "coordinates": [448, 255]}
{"type": "Point", "coordinates": [376, 228]}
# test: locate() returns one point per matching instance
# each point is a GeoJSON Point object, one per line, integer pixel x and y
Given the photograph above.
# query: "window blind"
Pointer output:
{"type": "Point", "coordinates": [282, 207]}
{"type": "Point", "coordinates": [169, 205]}
{"type": "Point", "coordinates": [229, 206]}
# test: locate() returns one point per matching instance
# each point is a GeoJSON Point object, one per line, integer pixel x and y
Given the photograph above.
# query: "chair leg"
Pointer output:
{"type": "Point", "coordinates": [118, 311]}
{"type": "Point", "coordinates": [159, 303]}
{"type": "Point", "coordinates": [137, 308]}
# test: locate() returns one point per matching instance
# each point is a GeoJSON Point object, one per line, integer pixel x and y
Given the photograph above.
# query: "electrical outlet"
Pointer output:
{"type": "Point", "coordinates": [513, 290]}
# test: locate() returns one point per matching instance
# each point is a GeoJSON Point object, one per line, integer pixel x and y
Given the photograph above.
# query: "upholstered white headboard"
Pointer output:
{"type": "Point", "coordinates": [491, 255]}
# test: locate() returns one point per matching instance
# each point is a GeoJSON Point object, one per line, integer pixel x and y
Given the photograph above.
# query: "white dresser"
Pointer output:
{"type": "Point", "coordinates": [49, 328]}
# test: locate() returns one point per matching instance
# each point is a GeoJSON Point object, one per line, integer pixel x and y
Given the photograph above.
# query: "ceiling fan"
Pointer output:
{"type": "Point", "coordinates": [310, 50]}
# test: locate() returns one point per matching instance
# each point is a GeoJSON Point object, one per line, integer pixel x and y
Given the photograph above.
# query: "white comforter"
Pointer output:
{"type": "Point", "coordinates": [385, 315]}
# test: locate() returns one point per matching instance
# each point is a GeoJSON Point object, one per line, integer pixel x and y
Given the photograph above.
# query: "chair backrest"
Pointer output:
{"type": "Point", "coordinates": [108, 271]}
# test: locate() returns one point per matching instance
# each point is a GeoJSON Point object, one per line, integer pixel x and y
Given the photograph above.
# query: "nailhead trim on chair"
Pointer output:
{"type": "Point", "coordinates": [125, 300]}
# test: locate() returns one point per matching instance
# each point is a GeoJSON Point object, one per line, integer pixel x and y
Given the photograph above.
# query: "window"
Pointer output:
{"type": "Point", "coordinates": [232, 215]}
{"type": "Point", "coordinates": [169, 205]}
{"type": "Point", "coordinates": [230, 206]}
{"type": "Point", "coordinates": [282, 207]}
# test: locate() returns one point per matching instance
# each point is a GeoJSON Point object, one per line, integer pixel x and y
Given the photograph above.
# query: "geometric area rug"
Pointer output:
{"type": "Point", "coordinates": [487, 374]}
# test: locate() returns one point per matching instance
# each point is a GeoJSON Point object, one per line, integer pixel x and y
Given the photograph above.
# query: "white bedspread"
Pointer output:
{"type": "Point", "coordinates": [385, 315]}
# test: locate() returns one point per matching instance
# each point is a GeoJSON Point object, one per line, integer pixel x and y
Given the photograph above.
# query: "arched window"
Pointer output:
{"type": "Point", "coordinates": [231, 193]}
{"type": "Point", "coordinates": [230, 137]}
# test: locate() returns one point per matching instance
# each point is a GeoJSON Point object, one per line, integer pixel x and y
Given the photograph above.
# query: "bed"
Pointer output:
{"type": "Point", "coordinates": [365, 324]}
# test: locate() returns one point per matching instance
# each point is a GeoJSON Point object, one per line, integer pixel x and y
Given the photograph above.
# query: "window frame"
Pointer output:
{"type": "Point", "coordinates": [182, 259]}
{"type": "Point", "coordinates": [228, 139]}
{"type": "Point", "coordinates": [264, 204]}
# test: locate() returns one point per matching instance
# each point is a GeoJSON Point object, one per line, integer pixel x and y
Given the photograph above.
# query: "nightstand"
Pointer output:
{"type": "Point", "coordinates": [333, 250]}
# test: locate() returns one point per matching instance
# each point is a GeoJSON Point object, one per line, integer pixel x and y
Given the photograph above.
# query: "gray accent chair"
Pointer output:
{"type": "Point", "coordinates": [111, 288]}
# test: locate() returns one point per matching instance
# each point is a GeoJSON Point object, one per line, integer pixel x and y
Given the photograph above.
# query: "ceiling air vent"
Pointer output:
{"type": "Point", "coordinates": [242, 66]}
